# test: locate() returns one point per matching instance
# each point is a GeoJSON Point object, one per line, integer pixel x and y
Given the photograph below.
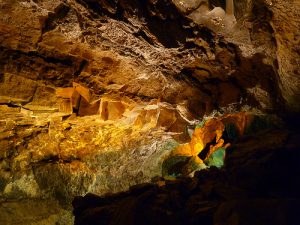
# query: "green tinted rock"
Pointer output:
{"type": "Point", "coordinates": [217, 158]}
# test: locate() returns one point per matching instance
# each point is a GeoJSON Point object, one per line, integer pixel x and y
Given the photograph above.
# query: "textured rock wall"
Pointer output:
{"type": "Point", "coordinates": [150, 47]}
{"type": "Point", "coordinates": [251, 189]}
{"type": "Point", "coordinates": [94, 94]}
{"type": "Point", "coordinates": [285, 22]}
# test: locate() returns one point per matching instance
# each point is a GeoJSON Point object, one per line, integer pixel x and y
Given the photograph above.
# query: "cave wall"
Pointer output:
{"type": "Point", "coordinates": [118, 42]}
{"type": "Point", "coordinates": [94, 94]}
{"type": "Point", "coordinates": [285, 21]}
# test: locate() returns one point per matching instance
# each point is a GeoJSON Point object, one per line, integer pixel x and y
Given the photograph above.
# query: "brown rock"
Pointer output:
{"type": "Point", "coordinates": [87, 109]}
{"type": "Point", "coordinates": [201, 75]}
{"type": "Point", "coordinates": [111, 109]}
{"type": "Point", "coordinates": [229, 93]}
{"type": "Point", "coordinates": [240, 121]}
{"type": "Point", "coordinates": [16, 88]}
{"type": "Point", "coordinates": [76, 97]}
{"type": "Point", "coordinates": [65, 92]}
{"type": "Point", "coordinates": [83, 91]}
{"type": "Point", "coordinates": [44, 99]}
{"type": "Point", "coordinates": [167, 117]}
{"type": "Point", "coordinates": [285, 22]}
{"type": "Point", "coordinates": [148, 116]}
{"type": "Point", "coordinates": [65, 105]}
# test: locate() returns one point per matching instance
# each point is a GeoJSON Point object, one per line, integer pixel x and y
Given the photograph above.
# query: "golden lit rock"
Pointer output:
{"type": "Point", "coordinates": [209, 135]}
{"type": "Point", "coordinates": [87, 109]}
{"type": "Point", "coordinates": [16, 89]}
{"type": "Point", "coordinates": [83, 91]}
{"type": "Point", "coordinates": [65, 106]}
{"type": "Point", "coordinates": [111, 109]}
{"type": "Point", "coordinates": [98, 95]}
{"type": "Point", "coordinates": [65, 92]}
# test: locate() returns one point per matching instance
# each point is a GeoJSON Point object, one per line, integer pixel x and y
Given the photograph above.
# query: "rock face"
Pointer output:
{"type": "Point", "coordinates": [154, 49]}
{"type": "Point", "coordinates": [55, 156]}
{"type": "Point", "coordinates": [96, 95]}
{"type": "Point", "coordinates": [210, 140]}
{"type": "Point", "coordinates": [284, 22]}
{"type": "Point", "coordinates": [259, 184]}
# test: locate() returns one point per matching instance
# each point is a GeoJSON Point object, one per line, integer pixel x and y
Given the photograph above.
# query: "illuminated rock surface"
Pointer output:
{"type": "Point", "coordinates": [210, 140]}
{"type": "Point", "coordinates": [100, 95]}
{"type": "Point", "coordinates": [258, 185]}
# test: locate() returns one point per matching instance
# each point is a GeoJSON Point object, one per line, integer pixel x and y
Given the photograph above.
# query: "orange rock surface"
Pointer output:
{"type": "Point", "coordinates": [211, 134]}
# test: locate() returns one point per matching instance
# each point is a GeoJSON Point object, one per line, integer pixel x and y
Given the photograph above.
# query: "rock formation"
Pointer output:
{"type": "Point", "coordinates": [100, 95]}
{"type": "Point", "coordinates": [258, 185]}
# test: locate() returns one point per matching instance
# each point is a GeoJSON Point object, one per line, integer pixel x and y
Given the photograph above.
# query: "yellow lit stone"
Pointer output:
{"type": "Point", "coordinates": [197, 148]}
{"type": "Point", "coordinates": [197, 160]}
{"type": "Point", "coordinates": [183, 150]}
{"type": "Point", "coordinates": [211, 134]}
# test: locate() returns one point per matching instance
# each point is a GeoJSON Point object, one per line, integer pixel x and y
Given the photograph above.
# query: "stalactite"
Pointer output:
{"type": "Point", "coordinates": [229, 7]}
